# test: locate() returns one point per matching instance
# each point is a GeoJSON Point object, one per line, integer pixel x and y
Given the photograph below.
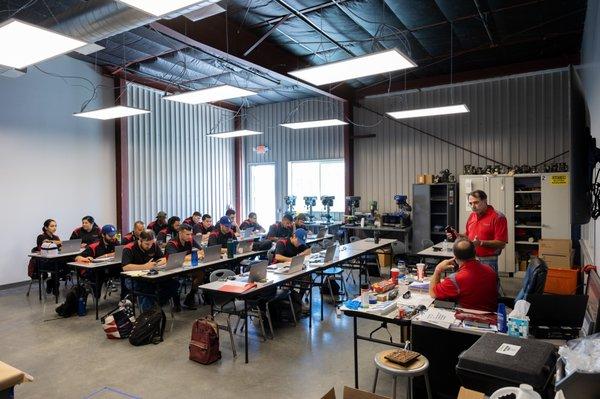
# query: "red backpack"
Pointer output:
{"type": "Point", "coordinates": [204, 345]}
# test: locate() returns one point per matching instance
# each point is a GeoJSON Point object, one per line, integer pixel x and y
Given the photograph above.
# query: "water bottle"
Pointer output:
{"type": "Point", "coordinates": [81, 308]}
{"type": "Point", "coordinates": [502, 326]}
{"type": "Point", "coordinates": [194, 257]}
{"type": "Point", "coordinates": [445, 245]}
{"type": "Point", "coordinates": [403, 271]}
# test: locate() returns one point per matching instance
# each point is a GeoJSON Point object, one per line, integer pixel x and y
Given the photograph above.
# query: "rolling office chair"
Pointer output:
{"type": "Point", "coordinates": [533, 283]}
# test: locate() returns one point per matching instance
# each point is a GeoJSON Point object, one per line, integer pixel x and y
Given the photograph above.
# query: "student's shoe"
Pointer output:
{"type": "Point", "coordinates": [190, 302]}
{"type": "Point", "coordinates": [49, 284]}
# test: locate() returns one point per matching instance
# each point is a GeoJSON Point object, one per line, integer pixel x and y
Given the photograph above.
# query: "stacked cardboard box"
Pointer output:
{"type": "Point", "coordinates": [557, 254]}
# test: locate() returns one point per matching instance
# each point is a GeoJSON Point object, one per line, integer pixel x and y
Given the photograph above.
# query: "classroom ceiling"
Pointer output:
{"type": "Point", "coordinates": [442, 36]}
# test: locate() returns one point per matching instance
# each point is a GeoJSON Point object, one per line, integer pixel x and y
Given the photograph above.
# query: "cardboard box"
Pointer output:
{"type": "Point", "coordinates": [421, 179]}
{"type": "Point", "coordinates": [10, 376]}
{"type": "Point", "coordinates": [556, 253]}
{"type": "Point", "coordinates": [428, 179]}
{"type": "Point", "coordinates": [465, 393]}
{"type": "Point", "coordinates": [351, 393]}
{"type": "Point", "coordinates": [561, 281]}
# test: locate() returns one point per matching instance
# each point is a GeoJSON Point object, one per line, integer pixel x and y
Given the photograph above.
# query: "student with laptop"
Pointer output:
{"type": "Point", "coordinates": [252, 223]}
{"type": "Point", "coordinates": [287, 248]}
{"type": "Point", "coordinates": [103, 248]}
{"type": "Point", "coordinates": [145, 254]}
{"type": "Point", "coordinates": [89, 232]}
{"type": "Point", "coordinates": [281, 230]}
{"type": "Point", "coordinates": [171, 230]}
{"type": "Point", "coordinates": [205, 227]}
{"type": "Point", "coordinates": [194, 219]}
{"type": "Point", "coordinates": [222, 234]}
{"type": "Point", "coordinates": [134, 235]}
{"type": "Point", "coordinates": [159, 223]}
{"type": "Point", "coordinates": [230, 213]}
{"type": "Point", "coordinates": [183, 243]}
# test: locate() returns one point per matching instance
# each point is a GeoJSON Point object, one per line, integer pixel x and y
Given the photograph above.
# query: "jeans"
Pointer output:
{"type": "Point", "coordinates": [493, 262]}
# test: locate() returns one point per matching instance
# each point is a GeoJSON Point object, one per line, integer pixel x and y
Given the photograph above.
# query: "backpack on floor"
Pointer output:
{"type": "Point", "coordinates": [204, 345]}
{"type": "Point", "coordinates": [149, 328]}
{"type": "Point", "coordinates": [280, 310]}
{"type": "Point", "coordinates": [118, 323]}
{"type": "Point", "coordinates": [335, 287]}
{"type": "Point", "coordinates": [69, 307]}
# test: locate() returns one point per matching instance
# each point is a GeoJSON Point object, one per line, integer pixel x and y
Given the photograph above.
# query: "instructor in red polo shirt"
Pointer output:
{"type": "Point", "coordinates": [486, 228]}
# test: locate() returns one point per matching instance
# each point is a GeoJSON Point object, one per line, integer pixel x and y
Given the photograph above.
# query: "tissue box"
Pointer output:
{"type": "Point", "coordinates": [518, 326]}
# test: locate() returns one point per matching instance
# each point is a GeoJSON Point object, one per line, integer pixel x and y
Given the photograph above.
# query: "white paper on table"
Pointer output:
{"type": "Point", "coordinates": [439, 317]}
{"type": "Point", "coordinates": [418, 285]}
{"type": "Point", "coordinates": [416, 300]}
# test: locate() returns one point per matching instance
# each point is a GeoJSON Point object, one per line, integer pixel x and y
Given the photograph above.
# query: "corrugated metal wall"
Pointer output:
{"type": "Point", "coordinates": [292, 145]}
{"type": "Point", "coordinates": [522, 119]}
{"type": "Point", "coordinates": [173, 166]}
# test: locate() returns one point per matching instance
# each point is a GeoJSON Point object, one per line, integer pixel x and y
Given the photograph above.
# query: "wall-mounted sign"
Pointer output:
{"type": "Point", "coordinates": [261, 149]}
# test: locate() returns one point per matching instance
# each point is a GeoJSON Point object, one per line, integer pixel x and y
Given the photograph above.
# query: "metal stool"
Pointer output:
{"type": "Point", "coordinates": [415, 369]}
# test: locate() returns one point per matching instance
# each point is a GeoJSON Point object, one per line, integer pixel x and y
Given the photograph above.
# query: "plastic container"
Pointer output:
{"type": "Point", "coordinates": [561, 281]}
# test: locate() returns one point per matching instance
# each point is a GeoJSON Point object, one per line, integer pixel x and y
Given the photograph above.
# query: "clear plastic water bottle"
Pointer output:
{"type": "Point", "coordinates": [403, 271]}
{"type": "Point", "coordinates": [445, 245]}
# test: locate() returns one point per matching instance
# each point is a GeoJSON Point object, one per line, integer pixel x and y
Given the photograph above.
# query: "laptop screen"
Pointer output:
{"type": "Point", "coordinates": [557, 310]}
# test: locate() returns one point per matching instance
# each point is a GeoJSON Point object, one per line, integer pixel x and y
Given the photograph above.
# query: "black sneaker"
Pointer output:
{"type": "Point", "coordinates": [190, 301]}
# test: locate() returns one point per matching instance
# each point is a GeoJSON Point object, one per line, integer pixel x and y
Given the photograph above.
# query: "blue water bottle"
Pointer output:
{"type": "Point", "coordinates": [502, 326]}
{"type": "Point", "coordinates": [81, 308]}
{"type": "Point", "coordinates": [194, 257]}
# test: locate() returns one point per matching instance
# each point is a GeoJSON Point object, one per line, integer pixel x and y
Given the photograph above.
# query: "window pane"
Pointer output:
{"type": "Point", "coordinates": [332, 183]}
{"type": "Point", "coordinates": [303, 181]}
{"type": "Point", "coordinates": [262, 193]}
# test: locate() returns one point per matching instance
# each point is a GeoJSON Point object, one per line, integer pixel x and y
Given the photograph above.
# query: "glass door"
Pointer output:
{"type": "Point", "coordinates": [262, 193]}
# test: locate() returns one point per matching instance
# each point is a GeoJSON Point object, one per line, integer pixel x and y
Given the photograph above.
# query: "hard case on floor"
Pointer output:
{"type": "Point", "coordinates": [497, 361]}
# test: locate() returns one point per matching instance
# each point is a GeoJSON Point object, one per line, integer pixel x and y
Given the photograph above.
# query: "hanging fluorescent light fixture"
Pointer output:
{"type": "Point", "coordinates": [159, 7]}
{"type": "Point", "coordinates": [421, 112]}
{"type": "Point", "coordinates": [235, 133]}
{"type": "Point", "coordinates": [356, 67]}
{"type": "Point", "coordinates": [313, 124]}
{"type": "Point", "coordinates": [23, 44]}
{"type": "Point", "coordinates": [118, 111]}
{"type": "Point", "coordinates": [211, 94]}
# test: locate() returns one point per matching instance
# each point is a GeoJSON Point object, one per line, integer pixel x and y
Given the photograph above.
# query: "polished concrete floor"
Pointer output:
{"type": "Point", "coordinates": [71, 358]}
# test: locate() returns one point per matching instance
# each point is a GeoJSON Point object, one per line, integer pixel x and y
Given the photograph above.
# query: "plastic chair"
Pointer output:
{"type": "Point", "coordinates": [224, 304]}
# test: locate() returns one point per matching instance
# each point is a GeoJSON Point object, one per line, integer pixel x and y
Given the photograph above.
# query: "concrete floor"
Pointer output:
{"type": "Point", "coordinates": [71, 358]}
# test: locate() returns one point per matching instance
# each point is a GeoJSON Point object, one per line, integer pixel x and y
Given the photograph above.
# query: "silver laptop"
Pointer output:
{"type": "Point", "coordinates": [198, 242]}
{"type": "Point", "coordinates": [71, 246]}
{"type": "Point", "coordinates": [295, 266]}
{"type": "Point", "coordinates": [248, 232]}
{"type": "Point", "coordinates": [175, 261]}
{"type": "Point", "coordinates": [258, 272]}
{"type": "Point", "coordinates": [322, 232]}
{"type": "Point", "coordinates": [245, 246]}
{"type": "Point", "coordinates": [329, 255]}
{"type": "Point", "coordinates": [116, 258]}
{"type": "Point", "coordinates": [212, 253]}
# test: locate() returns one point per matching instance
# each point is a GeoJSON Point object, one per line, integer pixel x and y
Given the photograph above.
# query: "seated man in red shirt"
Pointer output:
{"type": "Point", "coordinates": [487, 228]}
{"type": "Point", "coordinates": [134, 235]}
{"type": "Point", "coordinates": [473, 286]}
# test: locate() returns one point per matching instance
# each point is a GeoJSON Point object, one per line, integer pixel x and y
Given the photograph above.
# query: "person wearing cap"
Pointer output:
{"type": "Point", "coordinates": [287, 248]}
{"type": "Point", "coordinates": [252, 222]}
{"type": "Point", "coordinates": [300, 221]}
{"type": "Point", "coordinates": [183, 243]}
{"type": "Point", "coordinates": [171, 230]}
{"type": "Point", "coordinates": [134, 235]}
{"type": "Point", "coordinates": [144, 254]}
{"type": "Point", "coordinates": [103, 248]}
{"type": "Point", "coordinates": [194, 219]}
{"type": "Point", "coordinates": [159, 223]}
{"type": "Point", "coordinates": [89, 232]}
{"type": "Point", "coordinates": [205, 227]}
{"type": "Point", "coordinates": [230, 213]}
{"type": "Point", "coordinates": [222, 234]}
{"type": "Point", "coordinates": [283, 229]}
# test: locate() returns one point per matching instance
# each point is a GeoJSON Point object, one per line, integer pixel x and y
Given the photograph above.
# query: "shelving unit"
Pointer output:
{"type": "Point", "coordinates": [434, 208]}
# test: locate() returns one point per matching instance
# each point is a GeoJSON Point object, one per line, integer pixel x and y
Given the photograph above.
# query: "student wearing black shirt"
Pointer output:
{"type": "Point", "coordinates": [252, 222]}
{"type": "Point", "coordinates": [183, 243]}
{"type": "Point", "coordinates": [286, 249]}
{"type": "Point", "coordinates": [104, 247]}
{"type": "Point", "coordinates": [300, 221]}
{"type": "Point", "coordinates": [134, 235]}
{"type": "Point", "coordinates": [194, 219]}
{"type": "Point", "coordinates": [172, 227]}
{"type": "Point", "coordinates": [159, 223]}
{"type": "Point", "coordinates": [222, 234]}
{"type": "Point", "coordinates": [89, 232]}
{"type": "Point", "coordinates": [48, 234]}
{"type": "Point", "coordinates": [230, 213]}
{"type": "Point", "coordinates": [283, 229]}
{"type": "Point", "coordinates": [145, 254]}
{"type": "Point", "coordinates": [205, 227]}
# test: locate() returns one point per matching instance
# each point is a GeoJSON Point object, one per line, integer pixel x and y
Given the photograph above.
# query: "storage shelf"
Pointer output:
{"type": "Point", "coordinates": [524, 226]}
{"type": "Point", "coordinates": [529, 192]}
{"type": "Point", "coordinates": [527, 243]}
{"type": "Point", "coordinates": [529, 210]}
{"type": "Point", "coordinates": [438, 232]}
{"type": "Point", "coordinates": [439, 213]}
{"type": "Point", "coordinates": [439, 199]}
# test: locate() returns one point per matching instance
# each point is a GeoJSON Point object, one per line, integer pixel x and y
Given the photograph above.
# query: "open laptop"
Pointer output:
{"type": "Point", "coordinates": [175, 260]}
{"type": "Point", "coordinates": [296, 265]}
{"type": "Point", "coordinates": [71, 246]}
{"type": "Point", "coordinates": [258, 272]}
{"type": "Point", "coordinates": [245, 246]}
{"type": "Point", "coordinates": [212, 254]}
{"type": "Point", "coordinates": [329, 256]}
{"type": "Point", "coordinates": [198, 243]}
{"type": "Point", "coordinates": [116, 258]}
{"type": "Point", "coordinates": [556, 315]}
{"type": "Point", "coordinates": [246, 233]}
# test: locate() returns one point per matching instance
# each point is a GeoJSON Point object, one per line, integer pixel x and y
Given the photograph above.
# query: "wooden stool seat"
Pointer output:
{"type": "Point", "coordinates": [416, 368]}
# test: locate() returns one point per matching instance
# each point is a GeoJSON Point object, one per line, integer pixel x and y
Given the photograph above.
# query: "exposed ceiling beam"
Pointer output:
{"type": "Point", "coordinates": [303, 11]}
{"type": "Point", "coordinates": [267, 34]}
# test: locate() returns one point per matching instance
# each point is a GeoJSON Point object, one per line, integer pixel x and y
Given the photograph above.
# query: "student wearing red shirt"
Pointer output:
{"type": "Point", "coordinates": [486, 228]}
{"type": "Point", "coordinates": [473, 286]}
{"type": "Point", "coordinates": [89, 232]}
{"type": "Point", "coordinates": [134, 235]}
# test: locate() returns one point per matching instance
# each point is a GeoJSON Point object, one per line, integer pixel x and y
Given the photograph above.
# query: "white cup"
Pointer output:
{"type": "Point", "coordinates": [420, 271]}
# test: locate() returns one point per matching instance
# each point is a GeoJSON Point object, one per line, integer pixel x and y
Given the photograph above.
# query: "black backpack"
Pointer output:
{"type": "Point", "coordinates": [69, 307]}
{"type": "Point", "coordinates": [148, 328]}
